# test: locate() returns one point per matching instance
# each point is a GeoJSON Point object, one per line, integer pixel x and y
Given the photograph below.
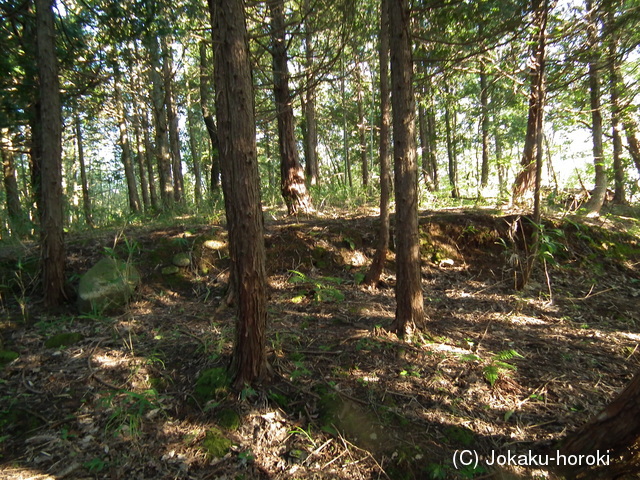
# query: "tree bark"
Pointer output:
{"type": "Point", "coordinates": [451, 148]}
{"type": "Point", "coordinates": [148, 158]}
{"type": "Point", "coordinates": [292, 185]}
{"type": "Point", "coordinates": [526, 178]}
{"type": "Point", "coordinates": [172, 120]}
{"type": "Point", "coordinates": [615, 431]}
{"type": "Point", "coordinates": [377, 265]}
{"type": "Point", "coordinates": [595, 202]}
{"type": "Point", "coordinates": [362, 130]}
{"type": "Point", "coordinates": [409, 299]}
{"type": "Point", "coordinates": [195, 156]}
{"type": "Point", "coordinates": [484, 125]}
{"type": "Point", "coordinates": [50, 147]}
{"type": "Point", "coordinates": [140, 160]}
{"type": "Point", "coordinates": [241, 187]}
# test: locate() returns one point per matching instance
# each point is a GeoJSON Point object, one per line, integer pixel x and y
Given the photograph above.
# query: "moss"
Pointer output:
{"type": "Point", "coordinates": [7, 356]}
{"type": "Point", "coordinates": [63, 340]}
{"type": "Point", "coordinates": [460, 435]}
{"type": "Point", "coordinates": [212, 384]}
{"type": "Point", "coordinates": [228, 419]}
{"type": "Point", "coordinates": [215, 444]}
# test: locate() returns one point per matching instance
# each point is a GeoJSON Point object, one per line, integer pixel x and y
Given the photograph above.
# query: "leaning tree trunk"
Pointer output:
{"type": "Point", "coordinates": [50, 147]}
{"type": "Point", "coordinates": [526, 178]}
{"type": "Point", "coordinates": [380, 257]}
{"type": "Point", "coordinates": [595, 202]}
{"type": "Point", "coordinates": [241, 187]}
{"type": "Point", "coordinates": [615, 432]}
{"type": "Point", "coordinates": [86, 198]}
{"type": "Point", "coordinates": [294, 191]}
{"type": "Point", "coordinates": [409, 299]}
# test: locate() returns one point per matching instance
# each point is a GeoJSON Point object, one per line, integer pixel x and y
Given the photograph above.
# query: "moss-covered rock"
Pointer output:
{"type": "Point", "coordinates": [63, 339]}
{"type": "Point", "coordinates": [107, 285]}
{"type": "Point", "coordinates": [215, 444]}
{"type": "Point", "coordinates": [181, 259]}
{"type": "Point", "coordinates": [170, 270]}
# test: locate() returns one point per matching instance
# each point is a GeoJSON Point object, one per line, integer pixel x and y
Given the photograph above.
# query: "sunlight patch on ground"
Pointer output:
{"type": "Point", "coordinates": [523, 320]}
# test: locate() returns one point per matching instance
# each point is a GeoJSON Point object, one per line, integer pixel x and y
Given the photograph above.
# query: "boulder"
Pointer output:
{"type": "Point", "coordinates": [181, 260]}
{"type": "Point", "coordinates": [107, 285]}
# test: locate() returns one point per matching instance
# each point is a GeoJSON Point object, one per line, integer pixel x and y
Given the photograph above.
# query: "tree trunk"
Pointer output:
{"type": "Point", "coordinates": [140, 160]}
{"type": "Point", "coordinates": [309, 105]}
{"type": "Point", "coordinates": [163, 157]}
{"type": "Point", "coordinates": [86, 198]}
{"type": "Point", "coordinates": [451, 148]}
{"type": "Point", "coordinates": [409, 300]}
{"type": "Point", "coordinates": [484, 125]}
{"type": "Point", "coordinates": [148, 157]}
{"type": "Point", "coordinates": [241, 187]}
{"type": "Point", "coordinates": [615, 94]}
{"type": "Point", "coordinates": [595, 202]}
{"type": "Point", "coordinates": [345, 128]}
{"type": "Point", "coordinates": [125, 146]}
{"type": "Point", "coordinates": [172, 120]}
{"type": "Point", "coordinates": [380, 257]}
{"type": "Point", "coordinates": [50, 147]}
{"type": "Point", "coordinates": [208, 118]}
{"type": "Point", "coordinates": [17, 221]}
{"type": "Point", "coordinates": [362, 129]}
{"type": "Point", "coordinates": [294, 191]}
{"type": "Point", "coordinates": [195, 156]}
{"type": "Point", "coordinates": [614, 432]}
{"type": "Point", "coordinates": [432, 136]}
{"type": "Point", "coordinates": [526, 178]}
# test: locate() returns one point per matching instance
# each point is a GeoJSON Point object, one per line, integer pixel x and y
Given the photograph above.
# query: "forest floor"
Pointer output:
{"type": "Point", "coordinates": [495, 371]}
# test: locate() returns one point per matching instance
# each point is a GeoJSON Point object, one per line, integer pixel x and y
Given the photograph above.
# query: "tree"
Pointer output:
{"type": "Point", "coordinates": [409, 299]}
{"type": "Point", "coordinates": [615, 432]}
{"type": "Point", "coordinates": [17, 222]}
{"type": "Point", "coordinates": [241, 186]}
{"type": "Point", "coordinates": [50, 150]}
{"type": "Point", "coordinates": [380, 257]}
{"type": "Point", "coordinates": [309, 103]}
{"type": "Point", "coordinates": [594, 204]}
{"type": "Point", "coordinates": [533, 139]}
{"type": "Point", "coordinates": [292, 185]}
{"type": "Point", "coordinates": [86, 198]}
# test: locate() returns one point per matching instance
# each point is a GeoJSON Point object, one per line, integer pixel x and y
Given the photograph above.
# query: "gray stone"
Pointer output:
{"type": "Point", "coordinates": [107, 285]}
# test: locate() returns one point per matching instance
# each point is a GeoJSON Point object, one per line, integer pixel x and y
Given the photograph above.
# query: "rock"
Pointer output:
{"type": "Point", "coordinates": [181, 260]}
{"type": "Point", "coordinates": [63, 340]}
{"type": "Point", "coordinates": [170, 270]}
{"type": "Point", "coordinates": [107, 285]}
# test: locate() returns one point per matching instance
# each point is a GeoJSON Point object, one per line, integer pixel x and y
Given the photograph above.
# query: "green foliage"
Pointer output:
{"type": "Point", "coordinates": [216, 444]}
{"type": "Point", "coordinates": [7, 356]}
{"type": "Point", "coordinates": [63, 340]}
{"type": "Point", "coordinates": [228, 419]}
{"type": "Point", "coordinates": [322, 289]}
{"type": "Point", "coordinates": [212, 384]}
{"type": "Point", "coordinates": [498, 366]}
{"type": "Point", "coordinates": [128, 409]}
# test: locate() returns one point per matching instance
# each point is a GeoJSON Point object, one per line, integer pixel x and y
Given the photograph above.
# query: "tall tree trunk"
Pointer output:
{"type": "Point", "coordinates": [163, 156]}
{"type": "Point", "coordinates": [345, 127]}
{"type": "Point", "coordinates": [125, 146]}
{"type": "Point", "coordinates": [484, 125]}
{"type": "Point", "coordinates": [241, 187]}
{"type": "Point", "coordinates": [309, 104]}
{"type": "Point", "coordinates": [172, 120]}
{"type": "Point", "coordinates": [50, 142]}
{"type": "Point", "coordinates": [595, 202]}
{"type": "Point", "coordinates": [86, 198]}
{"type": "Point", "coordinates": [526, 178]}
{"type": "Point", "coordinates": [140, 159]}
{"type": "Point", "coordinates": [615, 89]}
{"type": "Point", "coordinates": [17, 221]}
{"type": "Point", "coordinates": [409, 299]}
{"type": "Point", "coordinates": [148, 158]}
{"type": "Point", "coordinates": [362, 129]}
{"type": "Point", "coordinates": [380, 257]}
{"type": "Point", "coordinates": [613, 433]}
{"type": "Point", "coordinates": [195, 155]}
{"type": "Point", "coordinates": [292, 185]}
{"type": "Point", "coordinates": [451, 147]}
{"type": "Point", "coordinates": [432, 135]}
{"type": "Point", "coordinates": [208, 118]}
